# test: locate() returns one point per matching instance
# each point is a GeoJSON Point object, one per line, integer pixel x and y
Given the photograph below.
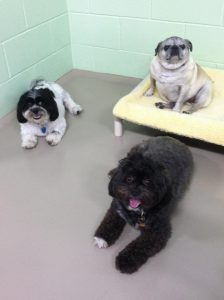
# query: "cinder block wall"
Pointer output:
{"type": "Point", "coordinates": [34, 42]}
{"type": "Point", "coordinates": [119, 36]}
{"type": "Point", "coordinates": [113, 36]}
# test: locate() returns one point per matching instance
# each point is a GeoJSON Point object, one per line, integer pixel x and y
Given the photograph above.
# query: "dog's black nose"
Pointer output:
{"type": "Point", "coordinates": [35, 110]}
{"type": "Point", "coordinates": [174, 50]}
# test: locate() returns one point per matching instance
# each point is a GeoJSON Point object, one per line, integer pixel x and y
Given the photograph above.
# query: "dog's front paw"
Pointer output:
{"type": "Point", "coordinates": [53, 138]}
{"type": "Point", "coordinates": [29, 144]}
{"type": "Point", "coordinates": [176, 109]}
{"type": "Point", "coordinates": [77, 109]}
{"type": "Point", "coordinates": [126, 262]}
{"type": "Point", "coordinates": [100, 243]}
{"type": "Point", "coordinates": [149, 93]}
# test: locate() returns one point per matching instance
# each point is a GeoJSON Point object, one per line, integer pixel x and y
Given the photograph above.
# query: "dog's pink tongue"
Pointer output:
{"type": "Point", "coordinates": [134, 203]}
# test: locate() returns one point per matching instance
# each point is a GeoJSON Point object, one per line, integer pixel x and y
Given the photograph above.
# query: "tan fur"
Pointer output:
{"type": "Point", "coordinates": [180, 82]}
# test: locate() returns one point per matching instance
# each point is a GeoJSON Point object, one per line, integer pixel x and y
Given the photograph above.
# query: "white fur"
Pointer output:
{"type": "Point", "coordinates": [100, 243]}
{"type": "Point", "coordinates": [56, 129]}
{"type": "Point", "coordinates": [29, 141]}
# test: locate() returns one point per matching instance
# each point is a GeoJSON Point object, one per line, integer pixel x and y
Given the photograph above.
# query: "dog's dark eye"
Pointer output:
{"type": "Point", "coordinates": [29, 104]}
{"type": "Point", "coordinates": [166, 47]}
{"type": "Point", "coordinates": [182, 47]}
{"type": "Point", "coordinates": [146, 182]}
{"type": "Point", "coordinates": [129, 179]}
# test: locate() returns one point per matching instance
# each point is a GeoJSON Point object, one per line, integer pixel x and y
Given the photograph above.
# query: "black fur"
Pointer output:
{"type": "Point", "coordinates": [33, 97]}
{"type": "Point", "coordinates": [190, 46]}
{"type": "Point", "coordinates": [160, 170]}
{"type": "Point", "coordinates": [22, 107]}
{"type": "Point", "coordinates": [157, 48]}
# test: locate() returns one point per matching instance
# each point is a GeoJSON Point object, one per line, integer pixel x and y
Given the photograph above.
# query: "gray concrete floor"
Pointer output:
{"type": "Point", "coordinates": [52, 200]}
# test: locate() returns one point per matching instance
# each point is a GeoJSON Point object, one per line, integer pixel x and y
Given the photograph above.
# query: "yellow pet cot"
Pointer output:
{"type": "Point", "coordinates": [206, 124]}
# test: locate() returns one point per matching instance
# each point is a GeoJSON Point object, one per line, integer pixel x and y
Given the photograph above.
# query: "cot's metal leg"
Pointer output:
{"type": "Point", "coordinates": [118, 126]}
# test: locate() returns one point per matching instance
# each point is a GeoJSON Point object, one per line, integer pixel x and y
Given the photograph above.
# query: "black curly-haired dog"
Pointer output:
{"type": "Point", "coordinates": [145, 188]}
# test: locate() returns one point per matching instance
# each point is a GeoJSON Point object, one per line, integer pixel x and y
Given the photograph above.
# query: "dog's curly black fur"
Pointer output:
{"type": "Point", "coordinates": [156, 173]}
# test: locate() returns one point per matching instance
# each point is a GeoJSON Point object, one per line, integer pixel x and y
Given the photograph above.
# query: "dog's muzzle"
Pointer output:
{"type": "Point", "coordinates": [174, 51]}
{"type": "Point", "coordinates": [37, 113]}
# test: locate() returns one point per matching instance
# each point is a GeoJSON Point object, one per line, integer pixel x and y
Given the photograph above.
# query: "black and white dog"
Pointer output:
{"type": "Point", "coordinates": [41, 111]}
{"type": "Point", "coordinates": [146, 186]}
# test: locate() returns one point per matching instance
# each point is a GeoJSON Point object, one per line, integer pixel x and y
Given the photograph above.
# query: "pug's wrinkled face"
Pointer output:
{"type": "Point", "coordinates": [174, 50]}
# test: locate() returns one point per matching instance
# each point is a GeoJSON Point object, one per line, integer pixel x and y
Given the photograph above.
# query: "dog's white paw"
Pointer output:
{"type": "Point", "coordinates": [100, 243]}
{"type": "Point", "coordinates": [29, 144]}
{"type": "Point", "coordinates": [53, 138]}
{"type": "Point", "coordinates": [77, 109]}
{"type": "Point", "coordinates": [149, 93]}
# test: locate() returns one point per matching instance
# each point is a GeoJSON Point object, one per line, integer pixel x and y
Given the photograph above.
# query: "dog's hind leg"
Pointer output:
{"type": "Point", "coordinates": [202, 99]}
{"type": "Point", "coordinates": [110, 229]}
{"type": "Point", "coordinates": [146, 245]}
{"type": "Point", "coordinates": [70, 104]}
{"type": "Point", "coordinates": [162, 105]}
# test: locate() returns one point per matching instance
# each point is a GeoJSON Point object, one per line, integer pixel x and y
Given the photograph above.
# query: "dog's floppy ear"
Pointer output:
{"type": "Point", "coordinates": [124, 161]}
{"type": "Point", "coordinates": [53, 111]}
{"type": "Point", "coordinates": [157, 48]}
{"type": "Point", "coordinates": [112, 172]}
{"type": "Point", "coordinates": [189, 44]}
{"type": "Point", "coordinates": [51, 104]}
{"type": "Point", "coordinates": [20, 105]}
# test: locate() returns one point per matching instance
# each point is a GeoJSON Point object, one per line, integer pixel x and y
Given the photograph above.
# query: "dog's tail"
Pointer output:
{"type": "Point", "coordinates": [36, 82]}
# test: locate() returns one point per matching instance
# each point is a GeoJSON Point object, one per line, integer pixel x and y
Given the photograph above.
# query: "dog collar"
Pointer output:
{"type": "Point", "coordinates": [43, 129]}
